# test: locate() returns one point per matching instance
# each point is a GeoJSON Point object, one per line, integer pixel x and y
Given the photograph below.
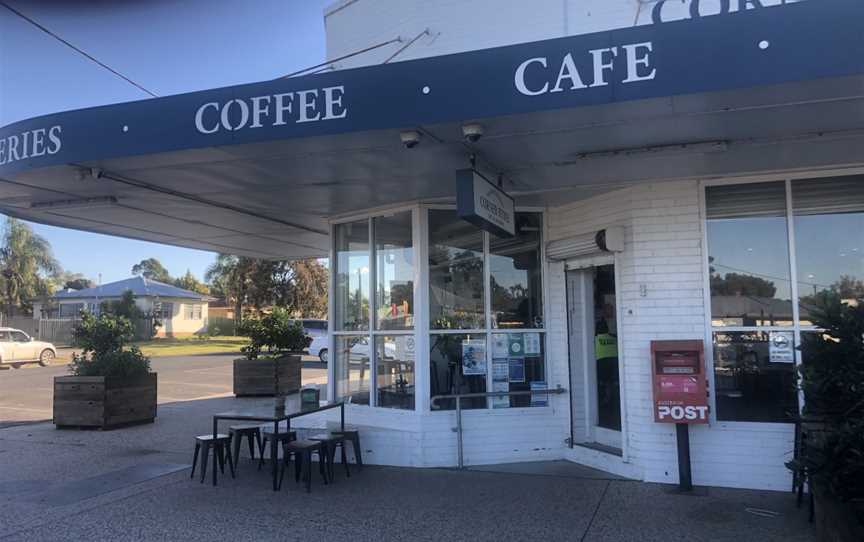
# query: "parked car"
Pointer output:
{"type": "Point", "coordinates": [359, 350]}
{"type": "Point", "coordinates": [18, 348]}
{"type": "Point", "coordinates": [317, 329]}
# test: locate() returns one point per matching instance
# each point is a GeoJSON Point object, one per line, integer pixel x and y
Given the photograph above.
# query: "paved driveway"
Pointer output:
{"type": "Point", "coordinates": [26, 393]}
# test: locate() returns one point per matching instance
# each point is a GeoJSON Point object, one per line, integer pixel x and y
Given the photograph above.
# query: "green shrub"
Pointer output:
{"type": "Point", "coordinates": [103, 341]}
{"type": "Point", "coordinates": [276, 333]}
{"type": "Point", "coordinates": [832, 379]}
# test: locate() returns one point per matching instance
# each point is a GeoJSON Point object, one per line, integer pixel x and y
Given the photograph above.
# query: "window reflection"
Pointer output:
{"type": "Point", "coordinates": [394, 271]}
{"type": "Point", "coordinates": [749, 255]}
{"type": "Point", "coordinates": [455, 273]}
{"type": "Point", "coordinates": [457, 364]}
{"type": "Point", "coordinates": [352, 369]}
{"type": "Point", "coordinates": [829, 239]}
{"type": "Point", "coordinates": [514, 265]}
{"type": "Point", "coordinates": [351, 309]}
{"type": "Point", "coordinates": [395, 363]}
{"type": "Point", "coordinates": [754, 376]}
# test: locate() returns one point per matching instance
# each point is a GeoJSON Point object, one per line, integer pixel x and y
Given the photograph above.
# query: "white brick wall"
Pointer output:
{"type": "Point", "coordinates": [663, 252]}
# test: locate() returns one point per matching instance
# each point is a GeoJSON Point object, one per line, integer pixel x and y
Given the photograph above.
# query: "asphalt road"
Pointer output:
{"type": "Point", "coordinates": [26, 393]}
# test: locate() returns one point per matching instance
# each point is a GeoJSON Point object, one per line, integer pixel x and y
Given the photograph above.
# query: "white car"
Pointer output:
{"type": "Point", "coordinates": [359, 350]}
{"type": "Point", "coordinates": [18, 348]}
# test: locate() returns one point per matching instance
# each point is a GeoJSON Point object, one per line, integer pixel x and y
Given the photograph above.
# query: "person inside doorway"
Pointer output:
{"type": "Point", "coordinates": [608, 391]}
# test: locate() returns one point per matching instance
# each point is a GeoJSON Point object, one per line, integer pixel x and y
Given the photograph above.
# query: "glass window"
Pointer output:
{"type": "Point", "coordinates": [191, 312]}
{"type": "Point", "coordinates": [395, 368]}
{"type": "Point", "coordinates": [394, 272]}
{"type": "Point", "coordinates": [754, 375]}
{"type": "Point", "coordinates": [456, 292]}
{"type": "Point", "coordinates": [514, 265]}
{"type": "Point", "coordinates": [457, 364]}
{"type": "Point", "coordinates": [829, 239]}
{"type": "Point", "coordinates": [352, 276]}
{"type": "Point", "coordinates": [165, 311]}
{"type": "Point", "coordinates": [352, 368]}
{"type": "Point", "coordinates": [71, 310]}
{"type": "Point", "coordinates": [19, 337]}
{"type": "Point", "coordinates": [517, 362]}
{"type": "Point", "coordinates": [749, 255]}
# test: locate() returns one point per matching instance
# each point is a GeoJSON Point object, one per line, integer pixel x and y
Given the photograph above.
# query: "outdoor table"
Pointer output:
{"type": "Point", "coordinates": [294, 408]}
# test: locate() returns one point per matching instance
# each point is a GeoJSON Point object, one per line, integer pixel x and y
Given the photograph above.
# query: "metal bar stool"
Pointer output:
{"type": "Point", "coordinates": [252, 432]}
{"type": "Point", "coordinates": [302, 451]}
{"type": "Point", "coordinates": [221, 447]}
{"type": "Point", "coordinates": [331, 441]}
{"type": "Point", "coordinates": [352, 436]}
{"type": "Point", "coordinates": [283, 438]}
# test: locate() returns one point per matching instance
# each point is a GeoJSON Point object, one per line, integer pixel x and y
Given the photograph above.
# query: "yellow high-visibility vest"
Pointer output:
{"type": "Point", "coordinates": [605, 346]}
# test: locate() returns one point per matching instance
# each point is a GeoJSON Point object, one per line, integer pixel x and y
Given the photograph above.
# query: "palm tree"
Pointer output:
{"type": "Point", "coordinates": [26, 265]}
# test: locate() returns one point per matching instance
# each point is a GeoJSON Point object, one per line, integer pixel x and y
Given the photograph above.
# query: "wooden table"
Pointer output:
{"type": "Point", "coordinates": [293, 409]}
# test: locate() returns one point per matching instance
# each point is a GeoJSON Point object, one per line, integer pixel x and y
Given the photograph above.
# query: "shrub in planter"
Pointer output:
{"type": "Point", "coordinates": [832, 379]}
{"type": "Point", "coordinates": [111, 383]}
{"type": "Point", "coordinates": [272, 359]}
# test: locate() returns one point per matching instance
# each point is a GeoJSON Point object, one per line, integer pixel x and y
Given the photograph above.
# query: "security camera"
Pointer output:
{"type": "Point", "coordinates": [410, 138]}
{"type": "Point", "coordinates": [472, 132]}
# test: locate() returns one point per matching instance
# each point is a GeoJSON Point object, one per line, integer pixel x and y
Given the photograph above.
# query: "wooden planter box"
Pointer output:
{"type": "Point", "coordinates": [836, 521]}
{"type": "Point", "coordinates": [258, 376]}
{"type": "Point", "coordinates": [105, 402]}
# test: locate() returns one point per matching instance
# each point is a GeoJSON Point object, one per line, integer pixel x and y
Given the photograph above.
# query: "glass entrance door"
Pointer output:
{"type": "Point", "coordinates": [593, 343]}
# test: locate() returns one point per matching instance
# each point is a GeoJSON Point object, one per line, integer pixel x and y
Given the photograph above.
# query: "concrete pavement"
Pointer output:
{"type": "Point", "coordinates": [26, 394]}
{"type": "Point", "coordinates": [133, 484]}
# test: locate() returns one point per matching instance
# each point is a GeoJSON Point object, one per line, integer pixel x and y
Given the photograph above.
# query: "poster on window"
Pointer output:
{"type": "Point", "coordinates": [517, 369]}
{"type": "Point", "coordinates": [405, 347]}
{"type": "Point", "coordinates": [781, 347]}
{"type": "Point", "coordinates": [473, 357]}
{"type": "Point", "coordinates": [500, 370]}
{"type": "Point", "coordinates": [500, 346]}
{"type": "Point", "coordinates": [516, 345]}
{"type": "Point", "coordinates": [532, 344]}
{"type": "Point", "coordinates": [539, 399]}
{"type": "Point", "coordinates": [502, 401]}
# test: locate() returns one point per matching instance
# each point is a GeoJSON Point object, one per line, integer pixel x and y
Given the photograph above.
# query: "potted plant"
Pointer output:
{"type": "Point", "coordinates": [832, 422]}
{"type": "Point", "coordinates": [272, 362]}
{"type": "Point", "coordinates": [111, 383]}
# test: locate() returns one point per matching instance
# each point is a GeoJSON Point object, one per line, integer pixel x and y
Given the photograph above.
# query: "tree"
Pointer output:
{"type": "Point", "coordinates": [231, 278]}
{"type": "Point", "coordinates": [301, 287]}
{"type": "Point", "coordinates": [152, 269]}
{"type": "Point", "coordinates": [737, 284]}
{"type": "Point", "coordinates": [189, 282]}
{"type": "Point", "coordinates": [27, 266]}
{"type": "Point", "coordinates": [78, 284]}
{"type": "Point", "coordinates": [124, 307]}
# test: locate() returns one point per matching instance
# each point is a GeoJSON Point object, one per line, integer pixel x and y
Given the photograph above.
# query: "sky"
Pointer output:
{"type": "Point", "coordinates": [166, 46]}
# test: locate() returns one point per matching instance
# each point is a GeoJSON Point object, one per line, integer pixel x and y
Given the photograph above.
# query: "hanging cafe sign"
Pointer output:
{"type": "Point", "coordinates": [483, 204]}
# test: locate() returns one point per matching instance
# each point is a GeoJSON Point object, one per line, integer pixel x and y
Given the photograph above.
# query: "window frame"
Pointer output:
{"type": "Point", "coordinates": [422, 326]}
{"type": "Point", "coordinates": [796, 328]}
{"type": "Point", "coordinates": [373, 332]}
{"type": "Point", "coordinates": [488, 330]}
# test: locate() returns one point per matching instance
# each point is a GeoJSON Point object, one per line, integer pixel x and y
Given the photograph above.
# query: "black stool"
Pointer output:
{"type": "Point", "coordinates": [252, 433]}
{"type": "Point", "coordinates": [302, 451]}
{"type": "Point", "coordinates": [221, 446]}
{"type": "Point", "coordinates": [331, 441]}
{"type": "Point", "coordinates": [352, 436]}
{"type": "Point", "coordinates": [283, 438]}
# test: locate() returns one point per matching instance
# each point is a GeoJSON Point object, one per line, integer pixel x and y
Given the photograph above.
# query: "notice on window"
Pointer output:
{"type": "Point", "coordinates": [516, 344]}
{"type": "Point", "coordinates": [502, 401]}
{"type": "Point", "coordinates": [500, 347]}
{"type": "Point", "coordinates": [405, 347]}
{"type": "Point", "coordinates": [517, 369]}
{"type": "Point", "coordinates": [500, 370]}
{"type": "Point", "coordinates": [473, 357]}
{"type": "Point", "coordinates": [531, 343]}
{"type": "Point", "coordinates": [781, 347]}
{"type": "Point", "coordinates": [539, 399]}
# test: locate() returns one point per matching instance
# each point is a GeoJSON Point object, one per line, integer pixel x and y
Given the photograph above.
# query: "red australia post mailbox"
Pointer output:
{"type": "Point", "coordinates": [680, 388]}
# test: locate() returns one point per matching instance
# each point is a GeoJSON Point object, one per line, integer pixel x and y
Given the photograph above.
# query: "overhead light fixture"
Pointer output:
{"type": "Point", "coordinates": [410, 138]}
{"type": "Point", "coordinates": [656, 150]}
{"type": "Point", "coordinates": [82, 203]}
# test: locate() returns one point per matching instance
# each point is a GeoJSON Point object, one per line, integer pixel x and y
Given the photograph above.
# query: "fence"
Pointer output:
{"type": "Point", "coordinates": [219, 325]}
{"type": "Point", "coordinates": [58, 331]}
